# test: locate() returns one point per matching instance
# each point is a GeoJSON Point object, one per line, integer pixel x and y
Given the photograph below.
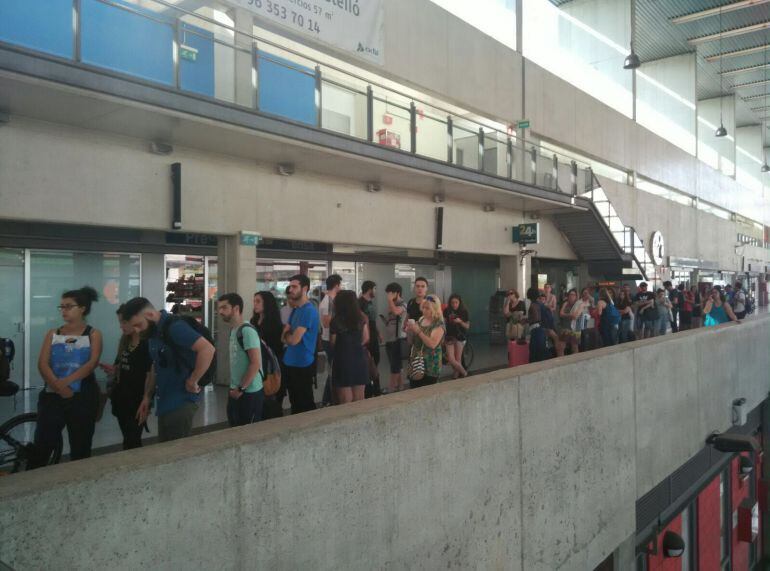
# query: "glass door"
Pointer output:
{"type": "Point", "coordinates": [12, 307]}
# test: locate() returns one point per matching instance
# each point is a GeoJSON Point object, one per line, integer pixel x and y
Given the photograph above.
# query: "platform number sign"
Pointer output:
{"type": "Point", "coordinates": [526, 233]}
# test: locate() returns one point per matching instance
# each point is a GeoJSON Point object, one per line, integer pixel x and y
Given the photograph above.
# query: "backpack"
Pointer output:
{"type": "Point", "coordinates": [612, 314]}
{"type": "Point", "coordinates": [7, 352]}
{"type": "Point", "coordinates": [270, 366]}
{"type": "Point", "coordinates": [211, 373]}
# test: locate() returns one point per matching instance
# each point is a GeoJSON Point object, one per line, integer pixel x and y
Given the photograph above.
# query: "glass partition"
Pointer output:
{"type": "Point", "coordinates": [116, 277]}
{"type": "Point", "coordinates": [194, 47]}
{"type": "Point", "coordinates": [432, 133]}
{"type": "Point", "coordinates": [391, 123]}
{"type": "Point", "coordinates": [465, 143]}
{"type": "Point", "coordinates": [495, 153]}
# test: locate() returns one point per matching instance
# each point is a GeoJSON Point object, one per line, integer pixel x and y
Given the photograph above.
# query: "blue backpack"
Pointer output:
{"type": "Point", "coordinates": [611, 314]}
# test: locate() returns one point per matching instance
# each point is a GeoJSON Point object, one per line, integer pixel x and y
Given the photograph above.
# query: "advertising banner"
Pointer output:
{"type": "Point", "coordinates": [352, 25]}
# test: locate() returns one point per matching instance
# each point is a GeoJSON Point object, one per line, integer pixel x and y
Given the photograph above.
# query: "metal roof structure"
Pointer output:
{"type": "Point", "coordinates": [666, 28]}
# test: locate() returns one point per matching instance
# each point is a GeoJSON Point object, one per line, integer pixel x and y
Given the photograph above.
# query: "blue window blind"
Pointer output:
{"type": "Point", "coordinates": [44, 25]}
{"type": "Point", "coordinates": [197, 76]}
{"type": "Point", "coordinates": [286, 89]}
{"type": "Point", "coordinates": [127, 42]}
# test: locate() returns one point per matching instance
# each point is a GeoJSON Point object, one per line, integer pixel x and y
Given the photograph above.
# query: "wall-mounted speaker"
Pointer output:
{"type": "Point", "coordinates": [176, 185]}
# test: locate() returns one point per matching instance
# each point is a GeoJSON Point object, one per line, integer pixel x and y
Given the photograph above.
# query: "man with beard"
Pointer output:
{"type": "Point", "coordinates": [300, 336]}
{"type": "Point", "coordinates": [175, 370]}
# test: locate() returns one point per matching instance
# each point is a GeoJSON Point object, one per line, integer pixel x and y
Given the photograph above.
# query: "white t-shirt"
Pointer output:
{"type": "Point", "coordinates": [739, 301]}
{"type": "Point", "coordinates": [324, 309]}
{"type": "Point", "coordinates": [285, 313]}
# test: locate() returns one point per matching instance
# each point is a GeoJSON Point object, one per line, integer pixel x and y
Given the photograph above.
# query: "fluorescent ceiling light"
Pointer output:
{"type": "Point", "coordinates": [715, 11]}
{"type": "Point", "coordinates": [738, 53]}
{"type": "Point", "coordinates": [730, 33]}
{"type": "Point", "coordinates": [749, 69]}
{"type": "Point", "coordinates": [751, 83]}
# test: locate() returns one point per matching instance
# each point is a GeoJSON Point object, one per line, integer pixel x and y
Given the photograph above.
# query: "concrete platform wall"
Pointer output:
{"type": "Point", "coordinates": [533, 468]}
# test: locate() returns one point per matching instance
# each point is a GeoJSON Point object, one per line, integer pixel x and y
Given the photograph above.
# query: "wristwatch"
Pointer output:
{"type": "Point", "coordinates": [240, 389]}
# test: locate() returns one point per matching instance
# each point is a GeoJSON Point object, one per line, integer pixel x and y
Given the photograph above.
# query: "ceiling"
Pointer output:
{"type": "Point", "coordinates": [657, 37]}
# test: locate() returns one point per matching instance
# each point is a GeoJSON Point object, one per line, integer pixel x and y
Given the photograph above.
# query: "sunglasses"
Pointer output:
{"type": "Point", "coordinates": [430, 298]}
{"type": "Point", "coordinates": [67, 307]}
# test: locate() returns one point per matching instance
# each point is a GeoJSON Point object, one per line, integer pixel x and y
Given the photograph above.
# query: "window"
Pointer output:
{"type": "Point", "coordinates": [599, 168]}
{"type": "Point", "coordinates": [496, 18]}
{"type": "Point", "coordinates": [115, 277]}
{"type": "Point", "coordinates": [667, 193]}
{"type": "Point", "coordinates": [715, 210]}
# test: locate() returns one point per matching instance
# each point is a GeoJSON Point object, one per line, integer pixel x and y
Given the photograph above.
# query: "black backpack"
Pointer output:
{"type": "Point", "coordinates": [7, 351]}
{"type": "Point", "coordinates": [211, 373]}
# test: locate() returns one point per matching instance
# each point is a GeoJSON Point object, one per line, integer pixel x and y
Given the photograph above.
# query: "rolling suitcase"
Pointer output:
{"type": "Point", "coordinates": [518, 353]}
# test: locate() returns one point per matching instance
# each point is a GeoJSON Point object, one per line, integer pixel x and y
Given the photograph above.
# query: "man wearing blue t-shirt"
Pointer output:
{"type": "Point", "coordinates": [175, 370]}
{"type": "Point", "coordinates": [301, 337]}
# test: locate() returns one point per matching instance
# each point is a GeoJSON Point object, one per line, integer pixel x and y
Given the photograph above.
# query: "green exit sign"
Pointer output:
{"type": "Point", "coordinates": [188, 53]}
{"type": "Point", "coordinates": [526, 233]}
{"type": "Point", "coordinates": [250, 238]}
{"type": "Point", "coordinates": [523, 124]}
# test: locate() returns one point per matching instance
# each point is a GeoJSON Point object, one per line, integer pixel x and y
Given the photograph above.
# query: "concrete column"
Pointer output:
{"type": "Point", "coordinates": [765, 423]}
{"type": "Point", "coordinates": [237, 273]}
{"type": "Point", "coordinates": [245, 93]}
{"type": "Point", "coordinates": [154, 279]}
{"type": "Point", "coordinates": [514, 274]}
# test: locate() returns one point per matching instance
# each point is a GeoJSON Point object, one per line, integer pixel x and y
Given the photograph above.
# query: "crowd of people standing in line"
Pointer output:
{"type": "Point", "coordinates": [163, 360]}
{"type": "Point", "coordinates": [602, 316]}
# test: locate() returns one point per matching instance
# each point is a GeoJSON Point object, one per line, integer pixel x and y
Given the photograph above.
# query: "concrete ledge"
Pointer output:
{"type": "Point", "coordinates": [537, 467]}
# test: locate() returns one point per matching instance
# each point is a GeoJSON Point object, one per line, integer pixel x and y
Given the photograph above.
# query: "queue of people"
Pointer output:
{"type": "Point", "coordinates": [604, 316]}
{"type": "Point", "coordinates": [164, 360]}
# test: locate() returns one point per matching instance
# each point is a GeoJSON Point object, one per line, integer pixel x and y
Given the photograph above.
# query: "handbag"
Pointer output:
{"type": "Point", "coordinates": [515, 329]}
{"type": "Point", "coordinates": [416, 371]}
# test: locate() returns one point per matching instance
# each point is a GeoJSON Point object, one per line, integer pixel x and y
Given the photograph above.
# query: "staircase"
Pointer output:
{"type": "Point", "coordinates": [599, 238]}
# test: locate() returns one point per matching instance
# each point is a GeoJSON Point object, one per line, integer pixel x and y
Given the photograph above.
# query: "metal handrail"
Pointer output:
{"type": "Point", "coordinates": [516, 142]}
{"type": "Point", "coordinates": [641, 265]}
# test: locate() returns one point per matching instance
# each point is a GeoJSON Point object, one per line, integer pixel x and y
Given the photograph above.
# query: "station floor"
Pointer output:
{"type": "Point", "coordinates": [212, 412]}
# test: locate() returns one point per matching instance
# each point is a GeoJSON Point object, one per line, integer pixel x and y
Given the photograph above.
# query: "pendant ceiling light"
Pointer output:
{"type": "Point", "coordinates": [721, 131]}
{"type": "Point", "coordinates": [632, 60]}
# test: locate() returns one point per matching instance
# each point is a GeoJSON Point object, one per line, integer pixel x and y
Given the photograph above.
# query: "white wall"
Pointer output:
{"type": "Point", "coordinates": [666, 101]}
{"type": "Point", "coordinates": [688, 232]}
{"type": "Point", "coordinates": [113, 181]}
{"type": "Point", "coordinates": [717, 152]}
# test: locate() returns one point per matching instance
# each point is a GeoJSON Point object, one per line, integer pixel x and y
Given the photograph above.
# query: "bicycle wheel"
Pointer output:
{"type": "Point", "coordinates": [17, 443]}
{"type": "Point", "coordinates": [467, 356]}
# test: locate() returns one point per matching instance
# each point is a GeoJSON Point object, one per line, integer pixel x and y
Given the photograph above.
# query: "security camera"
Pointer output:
{"type": "Point", "coordinates": [733, 442]}
{"type": "Point", "coordinates": [161, 148]}
{"type": "Point", "coordinates": [373, 187]}
{"type": "Point", "coordinates": [285, 169]}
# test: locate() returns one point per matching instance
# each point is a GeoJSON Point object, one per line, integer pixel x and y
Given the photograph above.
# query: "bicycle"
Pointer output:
{"type": "Point", "coordinates": [17, 437]}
